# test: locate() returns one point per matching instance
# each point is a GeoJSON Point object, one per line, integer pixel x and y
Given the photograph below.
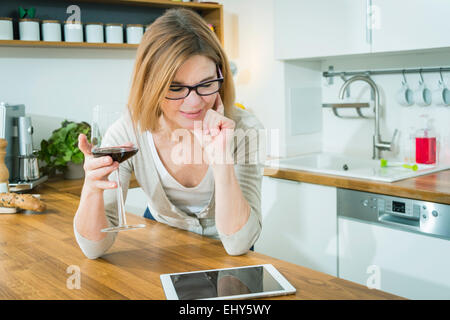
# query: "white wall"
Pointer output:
{"type": "Point", "coordinates": [63, 83]}
{"type": "Point", "coordinates": [355, 136]}
{"type": "Point", "coordinates": [264, 86]}
{"type": "Point", "coordinates": [249, 42]}
{"type": "Point", "coordinates": [57, 83]}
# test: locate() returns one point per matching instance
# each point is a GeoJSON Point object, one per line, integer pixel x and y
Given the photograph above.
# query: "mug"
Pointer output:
{"type": "Point", "coordinates": [442, 94]}
{"type": "Point", "coordinates": [422, 95]}
{"type": "Point", "coordinates": [405, 95]}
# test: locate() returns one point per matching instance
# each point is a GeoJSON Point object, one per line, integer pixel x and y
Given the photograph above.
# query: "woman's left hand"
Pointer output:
{"type": "Point", "coordinates": [216, 134]}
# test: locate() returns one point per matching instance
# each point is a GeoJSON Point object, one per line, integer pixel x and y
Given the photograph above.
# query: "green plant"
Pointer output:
{"type": "Point", "coordinates": [62, 147]}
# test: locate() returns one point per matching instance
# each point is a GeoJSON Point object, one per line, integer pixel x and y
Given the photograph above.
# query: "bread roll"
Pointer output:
{"type": "Point", "coordinates": [22, 201]}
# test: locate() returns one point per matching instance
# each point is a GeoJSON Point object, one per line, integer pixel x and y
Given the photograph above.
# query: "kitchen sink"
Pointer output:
{"type": "Point", "coordinates": [342, 165]}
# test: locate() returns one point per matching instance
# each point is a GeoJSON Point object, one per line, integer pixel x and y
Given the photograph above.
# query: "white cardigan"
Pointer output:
{"type": "Point", "coordinates": [249, 176]}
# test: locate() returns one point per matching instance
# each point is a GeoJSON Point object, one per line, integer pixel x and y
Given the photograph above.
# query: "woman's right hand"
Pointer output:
{"type": "Point", "coordinates": [96, 170]}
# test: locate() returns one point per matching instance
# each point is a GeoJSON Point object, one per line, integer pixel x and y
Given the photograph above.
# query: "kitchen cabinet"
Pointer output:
{"type": "Point", "coordinates": [305, 28]}
{"type": "Point", "coordinates": [411, 265]}
{"type": "Point", "coordinates": [411, 25]}
{"type": "Point", "coordinates": [299, 224]}
{"type": "Point", "coordinates": [314, 29]}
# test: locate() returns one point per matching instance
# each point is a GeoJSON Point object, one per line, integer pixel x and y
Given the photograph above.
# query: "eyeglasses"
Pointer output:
{"type": "Point", "coordinates": [204, 88]}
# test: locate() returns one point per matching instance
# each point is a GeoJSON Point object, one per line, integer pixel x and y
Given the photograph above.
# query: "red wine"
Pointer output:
{"type": "Point", "coordinates": [118, 154]}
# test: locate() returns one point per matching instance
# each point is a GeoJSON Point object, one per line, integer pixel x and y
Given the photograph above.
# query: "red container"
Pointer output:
{"type": "Point", "coordinates": [426, 150]}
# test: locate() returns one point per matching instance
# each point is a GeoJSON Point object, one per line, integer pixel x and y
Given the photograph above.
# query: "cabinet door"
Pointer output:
{"type": "Point", "coordinates": [410, 265]}
{"type": "Point", "coordinates": [305, 28]}
{"type": "Point", "coordinates": [410, 25]}
{"type": "Point", "coordinates": [299, 224]}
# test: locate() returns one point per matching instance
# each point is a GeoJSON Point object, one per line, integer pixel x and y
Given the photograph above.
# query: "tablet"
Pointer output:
{"type": "Point", "coordinates": [230, 283]}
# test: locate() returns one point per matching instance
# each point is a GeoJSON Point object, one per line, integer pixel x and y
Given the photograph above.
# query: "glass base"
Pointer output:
{"type": "Point", "coordinates": [124, 228]}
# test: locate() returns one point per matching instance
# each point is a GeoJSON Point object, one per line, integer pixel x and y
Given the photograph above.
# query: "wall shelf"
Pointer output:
{"type": "Point", "coordinates": [63, 44]}
{"type": "Point", "coordinates": [105, 11]}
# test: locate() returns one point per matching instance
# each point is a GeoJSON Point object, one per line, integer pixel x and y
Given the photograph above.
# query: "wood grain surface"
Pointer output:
{"type": "Point", "coordinates": [36, 250]}
{"type": "Point", "coordinates": [434, 187]}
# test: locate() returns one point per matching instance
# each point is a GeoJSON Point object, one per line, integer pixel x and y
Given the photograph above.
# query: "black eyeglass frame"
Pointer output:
{"type": "Point", "coordinates": [190, 88]}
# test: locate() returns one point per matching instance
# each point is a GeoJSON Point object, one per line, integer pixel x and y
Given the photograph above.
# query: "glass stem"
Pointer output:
{"type": "Point", "coordinates": [120, 204]}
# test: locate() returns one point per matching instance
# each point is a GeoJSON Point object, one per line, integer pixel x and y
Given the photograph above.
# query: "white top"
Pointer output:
{"type": "Point", "coordinates": [190, 200]}
{"type": "Point", "coordinates": [248, 173]}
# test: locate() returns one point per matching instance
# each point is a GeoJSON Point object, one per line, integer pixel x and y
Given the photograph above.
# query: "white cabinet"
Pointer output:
{"type": "Point", "coordinates": [410, 25]}
{"type": "Point", "coordinates": [407, 264]}
{"type": "Point", "coordinates": [299, 224]}
{"type": "Point", "coordinates": [319, 28]}
{"type": "Point", "coordinates": [314, 29]}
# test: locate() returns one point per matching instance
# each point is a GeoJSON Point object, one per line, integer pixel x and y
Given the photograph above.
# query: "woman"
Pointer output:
{"type": "Point", "coordinates": [181, 87]}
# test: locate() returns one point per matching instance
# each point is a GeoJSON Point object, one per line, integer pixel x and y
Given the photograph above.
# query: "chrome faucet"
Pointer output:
{"type": "Point", "coordinates": [378, 143]}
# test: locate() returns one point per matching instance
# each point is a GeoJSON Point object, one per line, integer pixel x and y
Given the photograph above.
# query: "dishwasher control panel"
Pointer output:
{"type": "Point", "coordinates": [401, 207]}
{"type": "Point", "coordinates": [407, 214]}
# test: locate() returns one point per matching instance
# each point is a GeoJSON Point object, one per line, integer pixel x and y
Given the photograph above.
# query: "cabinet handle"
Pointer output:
{"type": "Point", "coordinates": [369, 21]}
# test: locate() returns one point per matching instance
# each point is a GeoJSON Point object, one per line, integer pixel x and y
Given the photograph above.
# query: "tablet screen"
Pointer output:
{"type": "Point", "coordinates": [221, 283]}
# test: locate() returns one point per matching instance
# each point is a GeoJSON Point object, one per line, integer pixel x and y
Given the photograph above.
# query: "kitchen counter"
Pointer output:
{"type": "Point", "coordinates": [36, 250]}
{"type": "Point", "coordinates": [434, 187]}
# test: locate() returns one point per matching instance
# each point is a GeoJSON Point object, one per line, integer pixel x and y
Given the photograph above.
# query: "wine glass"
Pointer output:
{"type": "Point", "coordinates": [104, 117]}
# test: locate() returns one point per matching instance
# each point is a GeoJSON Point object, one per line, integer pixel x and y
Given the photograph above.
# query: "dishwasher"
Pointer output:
{"type": "Point", "coordinates": [397, 245]}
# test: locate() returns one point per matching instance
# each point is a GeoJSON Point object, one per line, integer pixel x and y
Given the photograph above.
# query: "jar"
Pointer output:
{"type": "Point", "coordinates": [29, 30]}
{"type": "Point", "coordinates": [6, 29]}
{"type": "Point", "coordinates": [51, 30]}
{"type": "Point", "coordinates": [94, 32]}
{"type": "Point", "coordinates": [114, 33]}
{"type": "Point", "coordinates": [134, 33]}
{"type": "Point", "coordinates": [426, 143]}
{"type": "Point", "coordinates": [73, 31]}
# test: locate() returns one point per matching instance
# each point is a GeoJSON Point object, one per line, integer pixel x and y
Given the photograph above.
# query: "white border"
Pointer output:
{"type": "Point", "coordinates": [169, 289]}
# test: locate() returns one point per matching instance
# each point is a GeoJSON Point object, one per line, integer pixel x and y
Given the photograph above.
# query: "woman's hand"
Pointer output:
{"type": "Point", "coordinates": [215, 135]}
{"type": "Point", "coordinates": [96, 170]}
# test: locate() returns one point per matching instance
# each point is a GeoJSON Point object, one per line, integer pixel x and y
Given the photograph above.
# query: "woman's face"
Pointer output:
{"type": "Point", "coordinates": [183, 112]}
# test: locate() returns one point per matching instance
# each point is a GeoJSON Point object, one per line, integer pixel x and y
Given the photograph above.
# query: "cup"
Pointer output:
{"type": "Point", "coordinates": [441, 95]}
{"type": "Point", "coordinates": [405, 95]}
{"type": "Point", "coordinates": [422, 95]}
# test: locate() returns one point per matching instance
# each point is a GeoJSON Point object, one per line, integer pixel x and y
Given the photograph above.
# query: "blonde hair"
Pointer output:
{"type": "Point", "coordinates": [173, 38]}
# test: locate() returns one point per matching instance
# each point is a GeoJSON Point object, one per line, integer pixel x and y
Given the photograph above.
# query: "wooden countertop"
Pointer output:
{"type": "Point", "coordinates": [36, 251]}
{"type": "Point", "coordinates": [434, 187]}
